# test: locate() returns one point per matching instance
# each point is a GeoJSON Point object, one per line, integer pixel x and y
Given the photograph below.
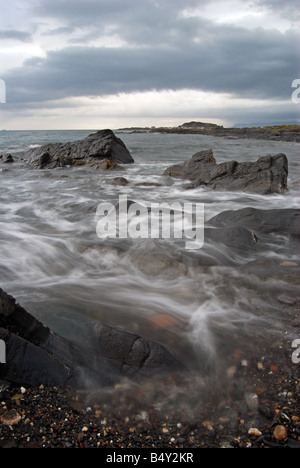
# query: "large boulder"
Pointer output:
{"type": "Point", "coordinates": [36, 355]}
{"type": "Point", "coordinates": [267, 175]}
{"type": "Point", "coordinates": [96, 148]}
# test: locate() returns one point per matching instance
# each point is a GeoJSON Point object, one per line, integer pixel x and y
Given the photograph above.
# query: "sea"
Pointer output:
{"type": "Point", "coordinates": [199, 304]}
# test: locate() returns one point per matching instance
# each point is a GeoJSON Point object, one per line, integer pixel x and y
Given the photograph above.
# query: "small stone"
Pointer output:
{"type": "Point", "coordinates": [254, 432]}
{"type": "Point", "coordinates": [288, 264]}
{"type": "Point", "coordinates": [223, 420]}
{"type": "Point", "coordinates": [252, 401]}
{"type": "Point", "coordinates": [280, 433]}
{"type": "Point", "coordinates": [208, 425]}
{"type": "Point", "coordinates": [231, 371]}
{"type": "Point", "coordinates": [286, 300]}
{"type": "Point", "coordinates": [226, 445]}
{"type": "Point", "coordinates": [10, 418]}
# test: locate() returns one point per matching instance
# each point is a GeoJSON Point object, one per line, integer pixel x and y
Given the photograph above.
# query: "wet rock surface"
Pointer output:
{"type": "Point", "coordinates": [262, 221]}
{"type": "Point", "coordinates": [36, 355]}
{"type": "Point", "coordinates": [267, 175]}
{"type": "Point", "coordinates": [6, 159]}
{"type": "Point", "coordinates": [97, 149]}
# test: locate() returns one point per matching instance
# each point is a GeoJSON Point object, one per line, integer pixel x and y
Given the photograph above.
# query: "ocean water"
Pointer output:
{"type": "Point", "coordinates": [201, 304]}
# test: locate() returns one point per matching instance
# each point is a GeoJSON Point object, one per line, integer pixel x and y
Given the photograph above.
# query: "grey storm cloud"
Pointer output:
{"type": "Point", "coordinates": [287, 8]}
{"type": "Point", "coordinates": [11, 34]}
{"type": "Point", "coordinates": [230, 60]}
{"type": "Point", "coordinates": [162, 49]}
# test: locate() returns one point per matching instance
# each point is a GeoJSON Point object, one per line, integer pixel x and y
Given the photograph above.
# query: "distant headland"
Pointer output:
{"type": "Point", "coordinates": [274, 132]}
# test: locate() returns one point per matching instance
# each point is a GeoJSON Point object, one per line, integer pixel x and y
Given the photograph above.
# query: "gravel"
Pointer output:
{"type": "Point", "coordinates": [253, 403]}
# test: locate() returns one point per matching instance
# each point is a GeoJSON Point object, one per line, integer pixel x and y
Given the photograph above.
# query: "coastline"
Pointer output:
{"type": "Point", "coordinates": [256, 390]}
{"type": "Point", "coordinates": [286, 133]}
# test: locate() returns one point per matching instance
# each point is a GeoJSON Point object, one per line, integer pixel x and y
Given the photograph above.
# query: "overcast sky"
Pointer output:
{"type": "Point", "coordinates": [89, 64]}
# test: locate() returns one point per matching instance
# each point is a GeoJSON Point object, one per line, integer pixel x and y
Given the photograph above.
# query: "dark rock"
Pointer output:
{"type": "Point", "coordinates": [267, 175]}
{"type": "Point", "coordinates": [198, 168]}
{"type": "Point", "coordinates": [36, 355]}
{"type": "Point", "coordinates": [133, 352]}
{"type": "Point", "coordinates": [286, 221]}
{"type": "Point", "coordinates": [6, 159]}
{"type": "Point", "coordinates": [103, 145]}
{"type": "Point", "coordinates": [119, 181]}
{"type": "Point", "coordinates": [237, 238]}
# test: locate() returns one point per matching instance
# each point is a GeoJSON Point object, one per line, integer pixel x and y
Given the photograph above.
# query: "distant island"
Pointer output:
{"type": "Point", "coordinates": [274, 132]}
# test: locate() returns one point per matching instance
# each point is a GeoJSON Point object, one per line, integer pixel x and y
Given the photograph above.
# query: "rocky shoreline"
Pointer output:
{"type": "Point", "coordinates": [166, 413]}
{"type": "Point", "coordinates": [140, 396]}
{"type": "Point", "coordinates": [125, 391]}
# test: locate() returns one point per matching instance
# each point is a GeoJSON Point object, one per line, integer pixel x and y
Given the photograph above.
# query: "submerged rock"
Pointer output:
{"type": "Point", "coordinates": [267, 175]}
{"type": "Point", "coordinates": [100, 146]}
{"type": "Point", "coordinates": [159, 265]}
{"type": "Point", "coordinates": [279, 221]}
{"type": "Point", "coordinates": [36, 355]}
{"type": "Point", "coordinates": [119, 181]}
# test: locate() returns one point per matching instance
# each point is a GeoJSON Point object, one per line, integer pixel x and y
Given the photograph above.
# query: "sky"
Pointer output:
{"type": "Point", "coordinates": [92, 64]}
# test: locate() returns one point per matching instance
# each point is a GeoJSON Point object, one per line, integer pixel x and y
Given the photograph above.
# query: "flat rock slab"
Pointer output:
{"type": "Point", "coordinates": [267, 175]}
{"type": "Point", "coordinates": [100, 146]}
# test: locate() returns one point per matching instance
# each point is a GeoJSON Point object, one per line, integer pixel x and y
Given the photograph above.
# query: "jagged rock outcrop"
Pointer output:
{"type": "Point", "coordinates": [36, 355]}
{"type": "Point", "coordinates": [100, 147]}
{"type": "Point", "coordinates": [267, 175]}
